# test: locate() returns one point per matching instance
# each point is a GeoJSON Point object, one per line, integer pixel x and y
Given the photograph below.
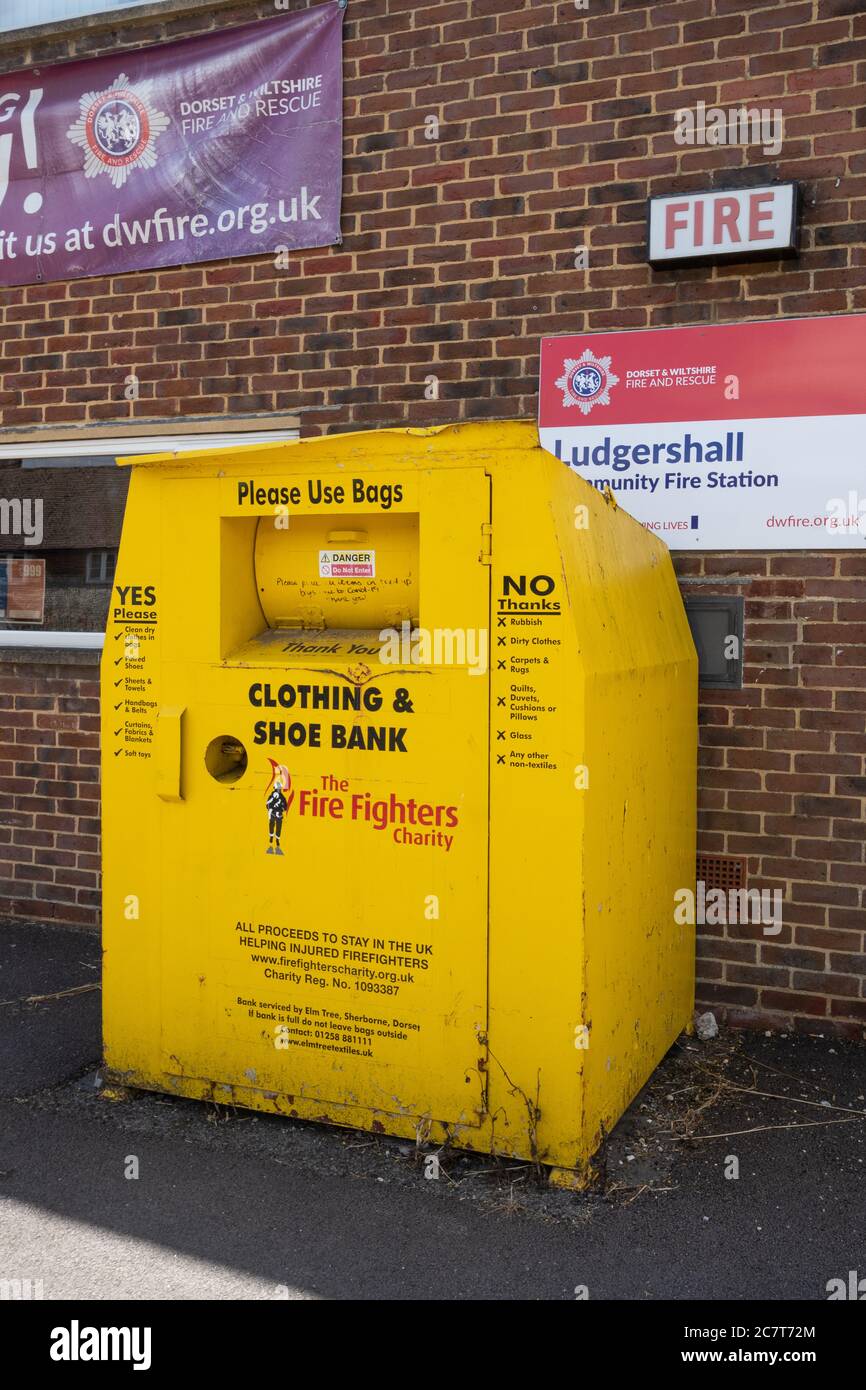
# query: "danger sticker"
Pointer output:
{"type": "Point", "coordinates": [347, 564]}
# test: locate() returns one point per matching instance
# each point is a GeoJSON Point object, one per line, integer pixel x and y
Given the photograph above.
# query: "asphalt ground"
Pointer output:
{"type": "Point", "coordinates": [233, 1205]}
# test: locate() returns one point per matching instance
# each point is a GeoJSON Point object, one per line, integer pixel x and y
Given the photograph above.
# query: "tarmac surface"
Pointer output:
{"type": "Point", "coordinates": [228, 1204]}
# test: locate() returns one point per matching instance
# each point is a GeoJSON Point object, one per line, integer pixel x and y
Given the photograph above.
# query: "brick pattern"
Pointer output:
{"type": "Point", "coordinates": [782, 782]}
{"type": "Point", "coordinates": [458, 254]}
{"type": "Point", "coordinates": [555, 125]}
{"type": "Point", "coordinates": [49, 792]}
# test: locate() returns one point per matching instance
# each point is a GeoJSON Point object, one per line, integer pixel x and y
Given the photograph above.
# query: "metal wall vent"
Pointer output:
{"type": "Point", "coordinates": [724, 871]}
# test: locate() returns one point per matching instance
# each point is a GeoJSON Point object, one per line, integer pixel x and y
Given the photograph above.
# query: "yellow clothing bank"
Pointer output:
{"type": "Point", "coordinates": [399, 740]}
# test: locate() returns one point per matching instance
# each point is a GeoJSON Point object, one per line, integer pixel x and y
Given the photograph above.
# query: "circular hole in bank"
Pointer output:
{"type": "Point", "coordinates": [225, 758]}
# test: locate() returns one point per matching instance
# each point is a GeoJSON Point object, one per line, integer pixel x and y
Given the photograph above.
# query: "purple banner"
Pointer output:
{"type": "Point", "coordinates": [224, 145]}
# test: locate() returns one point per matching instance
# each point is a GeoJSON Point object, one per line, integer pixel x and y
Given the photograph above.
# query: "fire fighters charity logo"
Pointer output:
{"type": "Point", "coordinates": [118, 130]}
{"type": "Point", "coordinates": [278, 798]}
{"type": "Point", "coordinates": [587, 381]}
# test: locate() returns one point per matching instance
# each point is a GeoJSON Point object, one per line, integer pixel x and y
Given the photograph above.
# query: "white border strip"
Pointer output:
{"type": "Point", "coordinates": [124, 446]}
{"type": "Point", "coordinates": [81, 641]}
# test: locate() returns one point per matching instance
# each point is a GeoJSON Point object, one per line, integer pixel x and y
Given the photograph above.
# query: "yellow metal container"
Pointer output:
{"type": "Point", "coordinates": [398, 787]}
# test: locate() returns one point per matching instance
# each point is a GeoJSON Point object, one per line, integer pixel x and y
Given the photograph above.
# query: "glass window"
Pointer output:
{"type": "Point", "coordinates": [22, 14]}
{"type": "Point", "coordinates": [100, 566]}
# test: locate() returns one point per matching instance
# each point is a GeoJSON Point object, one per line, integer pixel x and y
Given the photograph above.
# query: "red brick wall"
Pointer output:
{"type": "Point", "coordinates": [49, 789]}
{"type": "Point", "coordinates": [459, 252]}
{"type": "Point", "coordinates": [782, 782]}
{"type": "Point", "coordinates": [458, 255]}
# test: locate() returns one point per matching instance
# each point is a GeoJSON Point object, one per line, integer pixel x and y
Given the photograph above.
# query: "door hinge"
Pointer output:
{"type": "Point", "coordinates": [486, 554]}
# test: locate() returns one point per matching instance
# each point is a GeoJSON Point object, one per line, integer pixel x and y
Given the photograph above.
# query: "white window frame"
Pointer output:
{"type": "Point", "coordinates": [33, 444]}
{"type": "Point", "coordinates": [47, 444]}
{"type": "Point", "coordinates": [103, 556]}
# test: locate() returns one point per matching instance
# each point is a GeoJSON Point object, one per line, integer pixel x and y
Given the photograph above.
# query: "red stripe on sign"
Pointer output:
{"type": "Point", "coordinates": [743, 371]}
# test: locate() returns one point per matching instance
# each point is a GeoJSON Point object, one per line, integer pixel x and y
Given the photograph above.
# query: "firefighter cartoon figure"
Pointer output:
{"type": "Point", "coordinates": [278, 799]}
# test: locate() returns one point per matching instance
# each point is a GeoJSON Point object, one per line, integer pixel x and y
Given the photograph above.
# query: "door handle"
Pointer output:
{"type": "Point", "coordinates": [169, 740]}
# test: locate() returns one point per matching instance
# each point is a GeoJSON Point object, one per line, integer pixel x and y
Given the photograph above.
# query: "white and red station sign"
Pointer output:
{"type": "Point", "coordinates": [747, 436]}
{"type": "Point", "coordinates": [722, 224]}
